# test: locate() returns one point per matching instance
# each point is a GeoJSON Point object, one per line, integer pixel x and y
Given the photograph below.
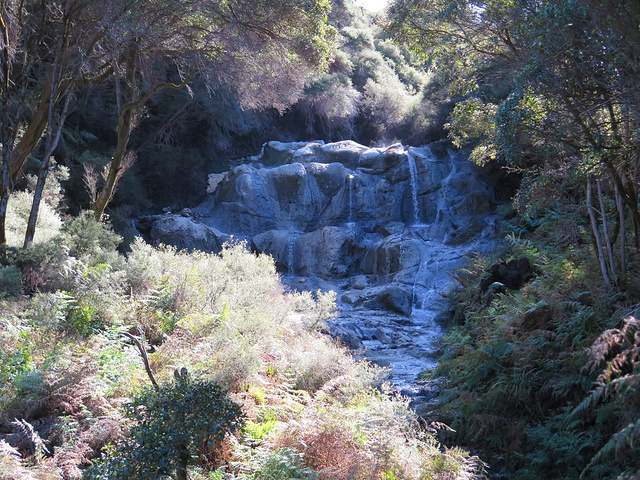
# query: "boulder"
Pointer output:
{"type": "Point", "coordinates": [539, 317]}
{"type": "Point", "coordinates": [348, 335]}
{"type": "Point", "coordinates": [346, 152]}
{"type": "Point", "coordinates": [397, 299]}
{"type": "Point", "coordinates": [184, 233]}
{"type": "Point", "coordinates": [390, 255]}
{"type": "Point", "coordinates": [280, 244]}
{"type": "Point", "coordinates": [214, 180]}
{"type": "Point", "coordinates": [329, 252]}
{"type": "Point", "coordinates": [358, 282]}
{"type": "Point", "coordinates": [351, 298]}
{"type": "Point", "coordinates": [377, 162]}
{"type": "Point", "coordinates": [512, 274]}
{"type": "Point", "coordinates": [278, 153]}
{"type": "Point", "coordinates": [382, 336]}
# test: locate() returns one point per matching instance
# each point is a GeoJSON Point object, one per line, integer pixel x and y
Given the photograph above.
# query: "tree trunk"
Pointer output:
{"type": "Point", "coordinates": [596, 234]}
{"type": "Point", "coordinates": [605, 231]}
{"type": "Point", "coordinates": [181, 470]}
{"type": "Point", "coordinates": [627, 193]}
{"type": "Point", "coordinates": [108, 189]}
{"type": "Point", "coordinates": [623, 239]}
{"type": "Point", "coordinates": [35, 206]}
{"type": "Point", "coordinates": [38, 123]}
{"type": "Point", "coordinates": [4, 200]}
{"type": "Point", "coordinates": [51, 144]}
{"type": "Point", "coordinates": [126, 108]}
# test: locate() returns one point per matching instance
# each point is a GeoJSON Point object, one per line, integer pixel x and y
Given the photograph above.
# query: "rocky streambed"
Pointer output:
{"type": "Point", "coordinates": [383, 227]}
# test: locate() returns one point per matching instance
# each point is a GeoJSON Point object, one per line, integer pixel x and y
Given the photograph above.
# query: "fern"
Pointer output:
{"type": "Point", "coordinates": [78, 137]}
{"type": "Point", "coordinates": [615, 339]}
{"type": "Point", "coordinates": [618, 443]}
{"type": "Point", "coordinates": [631, 475]}
{"type": "Point", "coordinates": [604, 392]}
{"type": "Point", "coordinates": [28, 432]}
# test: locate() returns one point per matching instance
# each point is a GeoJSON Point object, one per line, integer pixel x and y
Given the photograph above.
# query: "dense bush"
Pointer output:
{"type": "Point", "coordinates": [171, 427]}
{"type": "Point", "coordinates": [534, 384]}
{"type": "Point", "coordinates": [311, 410]}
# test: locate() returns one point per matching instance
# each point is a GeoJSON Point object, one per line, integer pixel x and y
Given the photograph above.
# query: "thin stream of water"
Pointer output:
{"type": "Point", "coordinates": [413, 180]}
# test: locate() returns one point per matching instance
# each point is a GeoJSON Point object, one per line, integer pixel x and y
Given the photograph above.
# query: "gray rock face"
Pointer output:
{"type": "Point", "coordinates": [381, 226]}
{"type": "Point", "coordinates": [307, 186]}
{"type": "Point", "coordinates": [342, 210]}
{"type": "Point", "coordinates": [391, 255]}
{"type": "Point", "coordinates": [183, 232]}
{"type": "Point", "coordinates": [397, 299]}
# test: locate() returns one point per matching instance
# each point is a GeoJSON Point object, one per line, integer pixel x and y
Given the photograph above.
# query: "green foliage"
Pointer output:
{"type": "Point", "coordinates": [88, 239]}
{"type": "Point", "coordinates": [312, 408]}
{"type": "Point", "coordinates": [473, 122]}
{"type": "Point", "coordinates": [170, 426]}
{"type": "Point", "coordinates": [283, 465]}
{"type": "Point", "coordinates": [10, 281]}
{"type": "Point", "coordinates": [48, 225]}
{"type": "Point", "coordinates": [260, 430]}
{"type": "Point", "coordinates": [518, 387]}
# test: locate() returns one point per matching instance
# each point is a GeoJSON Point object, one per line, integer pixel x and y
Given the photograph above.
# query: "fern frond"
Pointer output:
{"type": "Point", "coordinates": [621, 364]}
{"type": "Point", "coordinates": [27, 430]}
{"type": "Point", "coordinates": [611, 341]}
{"type": "Point", "coordinates": [630, 329]}
{"type": "Point", "coordinates": [629, 476]}
{"type": "Point", "coordinates": [603, 392]}
{"type": "Point", "coordinates": [602, 347]}
{"type": "Point", "coordinates": [625, 438]}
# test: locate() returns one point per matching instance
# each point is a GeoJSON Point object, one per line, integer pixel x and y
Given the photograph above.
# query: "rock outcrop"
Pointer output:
{"type": "Point", "coordinates": [341, 210]}
{"type": "Point", "coordinates": [381, 226]}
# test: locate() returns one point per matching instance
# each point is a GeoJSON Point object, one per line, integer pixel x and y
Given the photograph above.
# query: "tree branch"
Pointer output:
{"type": "Point", "coordinates": [145, 359]}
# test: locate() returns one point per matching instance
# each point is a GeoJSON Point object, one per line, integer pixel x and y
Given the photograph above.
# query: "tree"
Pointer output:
{"type": "Point", "coordinates": [547, 84]}
{"type": "Point", "coordinates": [171, 425]}
{"type": "Point", "coordinates": [47, 48]}
{"type": "Point", "coordinates": [265, 50]}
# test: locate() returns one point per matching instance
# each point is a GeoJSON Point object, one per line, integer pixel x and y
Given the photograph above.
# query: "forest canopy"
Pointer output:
{"type": "Point", "coordinates": [50, 50]}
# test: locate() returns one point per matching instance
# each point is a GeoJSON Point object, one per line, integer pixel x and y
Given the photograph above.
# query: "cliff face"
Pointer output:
{"type": "Point", "coordinates": [380, 226]}
{"type": "Point", "coordinates": [337, 210]}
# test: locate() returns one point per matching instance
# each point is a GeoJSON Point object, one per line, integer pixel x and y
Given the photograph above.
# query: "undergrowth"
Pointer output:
{"type": "Point", "coordinates": [219, 331]}
{"type": "Point", "coordinates": [542, 381]}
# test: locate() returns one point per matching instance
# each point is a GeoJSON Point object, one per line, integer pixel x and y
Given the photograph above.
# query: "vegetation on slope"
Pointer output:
{"type": "Point", "coordinates": [543, 380]}
{"type": "Point", "coordinates": [543, 377]}
{"type": "Point", "coordinates": [247, 387]}
{"type": "Point", "coordinates": [373, 92]}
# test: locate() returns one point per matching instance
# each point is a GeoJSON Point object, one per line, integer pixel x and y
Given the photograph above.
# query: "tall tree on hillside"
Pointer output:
{"type": "Point", "coordinates": [264, 50]}
{"type": "Point", "coordinates": [47, 48]}
{"type": "Point", "coordinates": [50, 47]}
{"type": "Point", "coordinates": [572, 97]}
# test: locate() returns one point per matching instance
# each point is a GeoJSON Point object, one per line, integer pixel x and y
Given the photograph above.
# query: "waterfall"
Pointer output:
{"type": "Point", "coordinates": [413, 174]}
{"type": "Point", "coordinates": [414, 296]}
{"type": "Point", "coordinates": [350, 177]}
{"type": "Point", "coordinates": [291, 253]}
{"type": "Point", "coordinates": [350, 201]}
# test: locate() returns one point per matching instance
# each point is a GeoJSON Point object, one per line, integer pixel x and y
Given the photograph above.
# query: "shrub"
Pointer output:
{"type": "Point", "coordinates": [10, 281]}
{"type": "Point", "coordinates": [10, 466]}
{"type": "Point", "coordinates": [284, 464]}
{"type": "Point", "coordinates": [18, 211]}
{"type": "Point", "coordinates": [90, 240]}
{"type": "Point", "coordinates": [40, 264]}
{"type": "Point", "coordinates": [171, 426]}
